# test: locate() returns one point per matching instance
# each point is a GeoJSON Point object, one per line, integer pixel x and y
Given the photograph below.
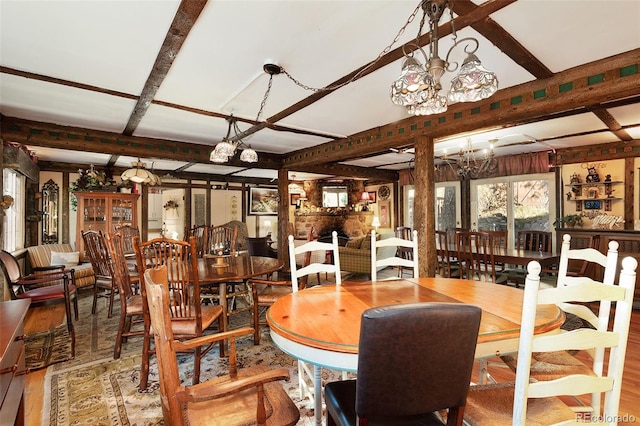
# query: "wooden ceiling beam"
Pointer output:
{"type": "Point", "coordinates": [503, 40]}
{"type": "Point", "coordinates": [347, 170]}
{"type": "Point", "coordinates": [55, 166]}
{"type": "Point", "coordinates": [613, 125]}
{"type": "Point", "coordinates": [591, 84]}
{"type": "Point", "coordinates": [48, 135]}
{"type": "Point", "coordinates": [186, 16]}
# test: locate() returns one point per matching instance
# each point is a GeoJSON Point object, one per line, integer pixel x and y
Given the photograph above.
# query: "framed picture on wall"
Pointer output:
{"type": "Point", "coordinates": [384, 213]}
{"type": "Point", "coordinates": [263, 201]}
{"type": "Point", "coordinates": [294, 199]}
{"type": "Point", "coordinates": [372, 196]}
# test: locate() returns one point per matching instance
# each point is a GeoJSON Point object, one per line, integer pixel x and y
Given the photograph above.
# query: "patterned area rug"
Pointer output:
{"type": "Point", "coordinates": [95, 389]}
{"type": "Point", "coordinates": [48, 347]}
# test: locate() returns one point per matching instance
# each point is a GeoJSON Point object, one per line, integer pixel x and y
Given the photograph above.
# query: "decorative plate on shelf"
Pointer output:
{"type": "Point", "coordinates": [384, 192]}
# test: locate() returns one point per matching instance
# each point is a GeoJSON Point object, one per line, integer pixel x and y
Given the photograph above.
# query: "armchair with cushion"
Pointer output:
{"type": "Point", "coordinates": [356, 255]}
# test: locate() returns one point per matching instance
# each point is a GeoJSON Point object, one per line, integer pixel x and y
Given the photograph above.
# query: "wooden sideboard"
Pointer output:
{"type": "Point", "coordinates": [629, 241]}
{"type": "Point", "coordinates": [12, 361]}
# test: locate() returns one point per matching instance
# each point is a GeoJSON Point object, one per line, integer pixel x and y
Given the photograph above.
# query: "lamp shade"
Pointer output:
{"type": "Point", "coordinates": [365, 196]}
{"type": "Point", "coordinates": [376, 222]}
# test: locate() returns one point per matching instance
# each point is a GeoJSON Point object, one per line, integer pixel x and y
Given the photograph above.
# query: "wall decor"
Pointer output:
{"type": "Point", "coordinates": [294, 199]}
{"type": "Point", "coordinates": [263, 201]}
{"type": "Point", "coordinates": [373, 197]}
{"type": "Point", "coordinates": [384, 192]}
{"type": "Point", "coordinates": [384, 213]}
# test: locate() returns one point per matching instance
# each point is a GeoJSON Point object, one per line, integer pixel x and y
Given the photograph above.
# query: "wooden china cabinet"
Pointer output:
{"type": "Point", "coordinates": [103, 211]}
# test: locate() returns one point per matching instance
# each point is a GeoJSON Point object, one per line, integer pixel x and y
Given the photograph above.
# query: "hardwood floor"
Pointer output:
{"type": "Point", "coordinates": [44, 318]}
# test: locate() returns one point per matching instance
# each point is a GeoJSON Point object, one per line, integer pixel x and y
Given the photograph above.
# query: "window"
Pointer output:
{"type": "Point", "coordinates": [13, 219]}
{"type": "Point", "coordinates": [514, 203]}
{"type": "Point", "coordinates": [335, 196]}
{"type": "Point", "coordinates": [447, 206]}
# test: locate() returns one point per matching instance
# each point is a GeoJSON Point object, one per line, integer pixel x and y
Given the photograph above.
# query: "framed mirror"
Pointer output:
{"type": "Point", "coordinates": [50, 212]}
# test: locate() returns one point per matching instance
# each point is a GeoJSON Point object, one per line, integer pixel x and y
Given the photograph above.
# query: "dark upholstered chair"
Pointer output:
{"type": "Point", "coordinates": [408, 373]}
{"type": "Point", "coordinates": [259, 246]}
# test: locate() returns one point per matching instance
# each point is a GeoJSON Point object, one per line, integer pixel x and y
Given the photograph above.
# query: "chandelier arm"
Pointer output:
{"type": "Point", "coordinates": [450, 66]}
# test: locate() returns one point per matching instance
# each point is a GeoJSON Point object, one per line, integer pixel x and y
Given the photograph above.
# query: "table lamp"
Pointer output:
{"type": "Point", "coordinates": [365, 198]}
{"type": "Point", "coordinates": [375, 223]}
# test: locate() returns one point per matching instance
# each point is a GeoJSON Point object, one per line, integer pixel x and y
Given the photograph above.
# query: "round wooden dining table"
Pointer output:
{"type": "Point", "coordinates": [321, 325]}
{"type": "Point", "coordinates": [218, 270]}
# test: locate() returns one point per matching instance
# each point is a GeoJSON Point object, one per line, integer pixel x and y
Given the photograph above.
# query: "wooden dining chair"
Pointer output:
{"type": "Point", "coordinates": [407, 246]}
{"type": "Point", "coordinates": [475, 254]}
{"type": "Point", "coordinates": [96, 249]}
{"type": "Point", "coordinates": [539, 402]}
{"type": "Point", "coordinates": [198, 232]}
{"type": "Point", "coordinates": [189, 316]}
{"type": "Point", "coordinates": [131, 310]}
{"type": "Point", "coordinates": [404, 233]}
{"type": "Point", "coordinates": [251, 395]}
{"type": "Point", "coordinates": [528, 240]}
{"type": "Point", "coordinates": [306, 373]}
{"type": "Point", "coordinates": [401, 380]}
{"type": "Point", "coordinates": [222, 236]}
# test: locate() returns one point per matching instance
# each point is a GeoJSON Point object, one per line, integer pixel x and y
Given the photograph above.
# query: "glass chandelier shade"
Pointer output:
{"type": "Point", "coordinates": [473, 82]}
{"type": "Point", "coordinates": [418, 87]}
{"type": "Point", "coordinates": [139, 174]}
{"type": "Point", "coordinates": [249, 155]}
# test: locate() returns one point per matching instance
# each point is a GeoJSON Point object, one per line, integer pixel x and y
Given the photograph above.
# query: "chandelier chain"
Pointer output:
{"type": "Point", "coordinates": [366, 67]}
{"type": "Point", "coordinates": [264, 98]}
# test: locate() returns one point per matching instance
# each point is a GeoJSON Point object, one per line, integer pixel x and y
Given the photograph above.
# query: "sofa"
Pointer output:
{"type": "Point", "coordinates": [63, 254]}
{"type": "Point", "coordinates": [356, 255]}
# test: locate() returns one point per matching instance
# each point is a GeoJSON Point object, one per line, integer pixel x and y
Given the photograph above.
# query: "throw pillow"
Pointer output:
{"type": "Point", "coordinates": [68, 259]}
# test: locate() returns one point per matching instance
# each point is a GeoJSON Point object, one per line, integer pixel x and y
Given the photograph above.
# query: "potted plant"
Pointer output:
{"type": "Point", "coordinates": [125, 187]}
{"type": "Point", "coordinates": [570, 221]}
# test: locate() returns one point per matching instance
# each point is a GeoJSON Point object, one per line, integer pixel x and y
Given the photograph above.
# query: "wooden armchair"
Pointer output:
{"type": "Point", "coordinates": [189, 316]}
{"type": "Point", "coordinates": [248, 396]}
{"type": "Point", "coordinates": [43, 288]}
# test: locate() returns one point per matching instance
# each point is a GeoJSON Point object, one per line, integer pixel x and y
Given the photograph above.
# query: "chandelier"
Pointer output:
{"type": "Point", "coordinates": [466, 165]}
{"type": "Point", "coordinates": [139, 174]}
{"type": "Point", "coordinates": [226, 148]}
{"type": "Point", "coordinates": [418, 87]}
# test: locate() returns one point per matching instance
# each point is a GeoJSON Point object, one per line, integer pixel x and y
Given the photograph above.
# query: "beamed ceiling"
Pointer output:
{"type": "Point", "coordinates": [106, 82]}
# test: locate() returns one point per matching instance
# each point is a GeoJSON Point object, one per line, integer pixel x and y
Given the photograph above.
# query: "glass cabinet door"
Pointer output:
{"type": "Point", "coordinates": [121, 212]}
{"type": "Point", "coordinates": [95, 214]}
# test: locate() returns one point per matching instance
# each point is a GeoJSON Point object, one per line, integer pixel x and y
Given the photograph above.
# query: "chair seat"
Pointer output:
{"type": "Point", "coordinates": [271, 294]}
{"type": "Point", "coordinates": [551, 365]}
{"type": "Point", "coordinates": [41, 294]}
{"type": "Point", "coordinates": [188, 327]}
{"type": "Point", "coordinates": [340, 399]}
{"type": "Point", "coordinates": [493, 405]}
{"type": "Point", "coordinates": [134, 305]}
{"type": "Point", "coordinates": [235, 409]}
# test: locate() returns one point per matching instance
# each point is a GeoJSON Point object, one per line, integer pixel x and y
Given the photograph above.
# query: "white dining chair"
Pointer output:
{"type": "Point", "coordinates": [394, 260]}
{"type": "Point", "coordinates": [309, 377]}
{"type": "Point", "coordinates": [529, 401]}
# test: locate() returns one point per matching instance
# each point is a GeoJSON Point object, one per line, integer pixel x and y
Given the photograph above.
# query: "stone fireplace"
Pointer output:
{"type": "Point", "coordinates": [357, 223]}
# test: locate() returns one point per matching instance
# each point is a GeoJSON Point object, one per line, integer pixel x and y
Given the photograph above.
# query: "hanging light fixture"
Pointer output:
{"type": "Point", "coordinates": [139, 174]}
{"type": "Point", "coordinates": [466, 165]}
{"type": "Point", "coordinates": [226, 148]}
{"type": "Point", "coordinates": [418, 87]}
